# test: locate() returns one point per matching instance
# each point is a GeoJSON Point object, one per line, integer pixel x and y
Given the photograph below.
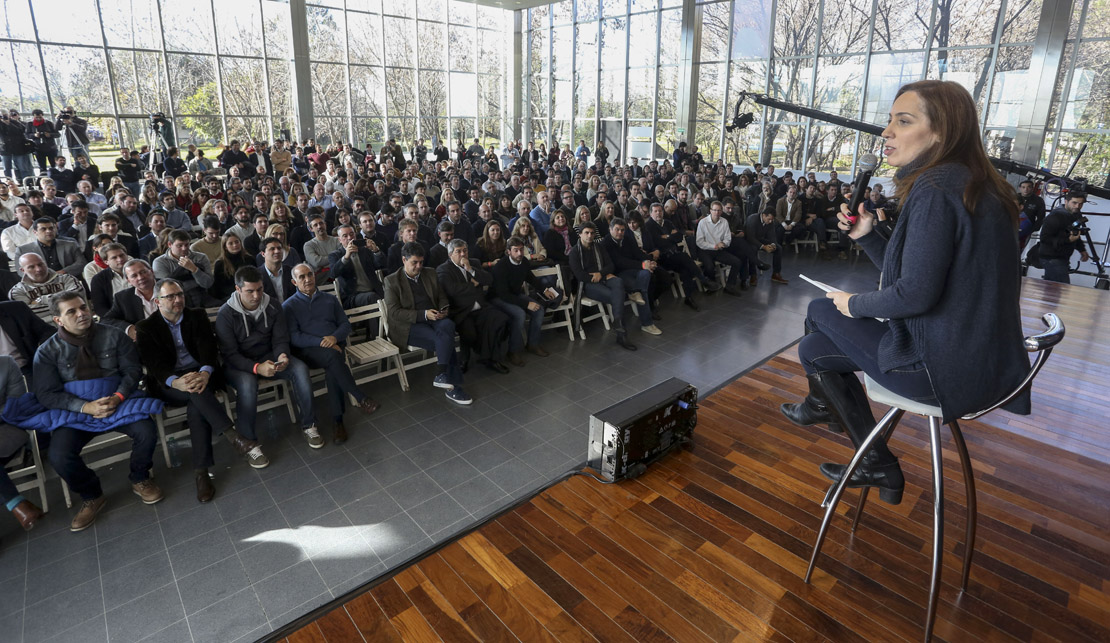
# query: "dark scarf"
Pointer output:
{"type": "Point", "coordinates": [87, 366]}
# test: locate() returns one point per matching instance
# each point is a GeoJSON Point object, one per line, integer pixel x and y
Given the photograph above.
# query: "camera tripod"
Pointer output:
{"type": "Point", "coordinates": [156, 132]}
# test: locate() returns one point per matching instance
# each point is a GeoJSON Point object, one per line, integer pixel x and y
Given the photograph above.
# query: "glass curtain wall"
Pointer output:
{"type": "Point", "coordinates": [846, 56]}
{"type": "Point", "coordinates": [379, 68]}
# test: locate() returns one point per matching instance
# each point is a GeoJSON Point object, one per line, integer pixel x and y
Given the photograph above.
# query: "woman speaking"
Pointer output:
{"type": "Point", "coordinates": [949, 288]}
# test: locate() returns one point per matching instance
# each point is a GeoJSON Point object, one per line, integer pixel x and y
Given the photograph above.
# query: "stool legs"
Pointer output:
{"type": "Point", "coordinates": [837, 490]}
{"type": "Point", "coordinates": [938, 525]}
{"type": "Point", "coordinates": [863, 492]}
{"type": "Point", "coordinates": [971, 510]}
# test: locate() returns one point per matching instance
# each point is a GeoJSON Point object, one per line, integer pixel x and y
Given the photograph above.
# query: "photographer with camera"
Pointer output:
{"type": "Point", "coordinates": [14, 146]}
{"type": "Point", "coordinates": [42, 134]}
{"type": "Point", "coordinates": [1061, 236]}
{"type": "Point", "coordinates": [76, 132]}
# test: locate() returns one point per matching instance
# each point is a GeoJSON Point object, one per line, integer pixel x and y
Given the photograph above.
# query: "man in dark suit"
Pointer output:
{"type": "Point", "coordinates": [131, 306]}
{"type": "Point", "coordinates": [109, 225]}
{"type": "Point", "coordinates": [416, 309]}
{"type": "Point", "coordinates": [108, 282]}
{"type": "Point", "coordinates": [627, 255]}
{"type": "Point", "coordinates": [60, 254]}
{"type": "Point", "coordinates": [188, 375]}
{"type": "Point", "coordinates": [21, 332]}
{"type": "Point", "coordinates": [354, 268]}
{"type": "Point", "coordinates": [79, 225]}
{"type": "Point", "coordinates": [277, 274]}
{"type": "Point", "coordinates": [481, 326]}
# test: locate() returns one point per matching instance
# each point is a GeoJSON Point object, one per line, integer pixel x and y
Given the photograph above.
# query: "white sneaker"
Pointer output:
{"type": "Point", "coordinates": [636, 298]}
{"type": "Point", "coordinates": [651, 330]}
{"type": "Point", "coordinates": [257, 459]}
{"type": "Point", "coordinates": [315, 440]}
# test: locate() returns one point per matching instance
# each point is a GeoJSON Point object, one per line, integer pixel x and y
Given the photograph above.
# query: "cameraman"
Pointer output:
{"type": "Point", "coordinates": [14, 146]}
{"type": "Point", "coordinates": [1060, 237]}
{"type": "Point", "coordinates": [42, 134]}
{"type": "Point", "coordinates": [76, 132]}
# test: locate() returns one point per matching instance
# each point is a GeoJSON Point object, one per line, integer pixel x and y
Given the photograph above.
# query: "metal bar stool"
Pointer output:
{"type": "Point", "coordinates": [1041, 344]}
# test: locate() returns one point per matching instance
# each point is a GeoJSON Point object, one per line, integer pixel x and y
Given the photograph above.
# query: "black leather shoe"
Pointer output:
{"type": "Point", "coordinates": [339, 433]}
{"type": "Point", "coordinates": [622, 341]}
{"type": "Point", "coordinates": [689, 301]}
{"type": "Point", "coordinates": [763, 266]}
{"type": "Point", "coordinates": [205, 490]}
{"type": "Point", "coordinates": [712, 286]}
{"type": "Point", "coordinates": [886, 478]}
{"type": "Point", "coordinates": [811, 411]}
{"type": "Point", "coordinates": [494, 365]}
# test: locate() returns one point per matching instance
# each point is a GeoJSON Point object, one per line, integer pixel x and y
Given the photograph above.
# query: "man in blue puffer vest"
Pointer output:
{"type": "Point", "coordinates": [83, 350]}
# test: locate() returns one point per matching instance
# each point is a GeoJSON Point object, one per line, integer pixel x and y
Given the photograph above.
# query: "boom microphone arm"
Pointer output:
{"type": "Point", "coordinates": [877, 130]}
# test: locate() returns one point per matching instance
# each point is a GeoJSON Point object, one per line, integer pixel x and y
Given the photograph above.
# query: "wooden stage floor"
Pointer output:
{"type": "Point", "coordinates": [712, 542]}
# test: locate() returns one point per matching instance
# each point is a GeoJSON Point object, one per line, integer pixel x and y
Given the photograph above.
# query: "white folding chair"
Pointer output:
{"type": "Point", "coordinates": [34, 471]}
{"type": "Point", "coordinates": [373, 354]}
{"type": "Point", "coordinates": [566, 309]}
{"type": "Point", "coordinates": [110, 442]}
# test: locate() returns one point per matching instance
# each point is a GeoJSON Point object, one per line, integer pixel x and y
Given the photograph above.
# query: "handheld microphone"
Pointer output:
{"type": "Point", "coordinates": [867, 164]}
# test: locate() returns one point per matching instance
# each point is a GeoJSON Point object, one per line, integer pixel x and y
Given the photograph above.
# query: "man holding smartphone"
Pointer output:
{"type": "Point", "coordinates": [254, 342]}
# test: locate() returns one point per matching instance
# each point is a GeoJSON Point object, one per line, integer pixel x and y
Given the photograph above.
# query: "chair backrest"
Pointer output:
{"type": "Point", "coordinates": [1042, 344]}
{"type": "Point", "coordinates": [384, 315]}
{"type": "Point", "coordinates": [364, 313]}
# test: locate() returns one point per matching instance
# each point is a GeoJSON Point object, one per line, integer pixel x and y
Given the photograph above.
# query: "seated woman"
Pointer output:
{"type": "Point", "coordinates": [491, 247]}
{"type": "Point", "coordinates": [559, 238]}
{"type": "Point", "coordinates": [277, 231]}
{"type": "Point", "coordinates": [534, 250]}
{"type": "Point", "coordinates": [232, 258]}
{"type": "Point", "coordinates": [944, 328]}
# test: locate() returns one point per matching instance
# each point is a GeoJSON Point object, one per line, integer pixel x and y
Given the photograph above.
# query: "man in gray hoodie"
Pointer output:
{"type": "Point", "coordinates": [254, 344]}
{"type": "Point", "coordinates": [40, 285]}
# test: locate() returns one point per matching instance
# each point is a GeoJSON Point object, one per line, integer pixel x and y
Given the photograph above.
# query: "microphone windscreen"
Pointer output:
{"type": "Point", "coordinates": [867, 163]}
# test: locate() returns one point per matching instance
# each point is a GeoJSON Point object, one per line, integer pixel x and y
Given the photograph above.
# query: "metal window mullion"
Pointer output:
{"type": "Point", "coordinates": [166, 65]}
{"type": "Point", "coordinates": [416, 71]}
{"type": "Point", "coordinates": [624, 103]}
{"type": "Point", "coordinates": [219, 69]}
{"type": "Point", "coordinates": [655, 91]}
{"type": "Point", "coordinates": [728, 78]}
{"type": "Point", "coordinates": [385, 81]}
{"type": "Point", "coordinates": [266, 73]}
{"type": "Point", "coordinates": [477, 82]}
{"type": "Point", "coordinates": [1066, 89]}
{"type": "Point", "coordinates": [929, 40]}
{"type": "Point", "coordinates": [998, 24]}
{"type": "Point", "coordinates": [767, 79]}
{"type": "Point", "coordinates": [813, 86]}
{"type": "Point", "coordinates": [42, 60]}
{"type": "Point", "coordinates": [866, 81]}
{"type": "Point", "coordinates": [111, 74]}
{"type": "Point", "coordinates": [597, 83]}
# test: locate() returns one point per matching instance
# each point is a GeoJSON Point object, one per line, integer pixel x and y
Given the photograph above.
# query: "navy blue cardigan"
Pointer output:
{"type": "Point", "coordinates": [950, 287]}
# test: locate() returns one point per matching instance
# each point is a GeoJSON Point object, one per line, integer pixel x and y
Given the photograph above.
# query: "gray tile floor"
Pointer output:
{"type": "Point", "coordinates": [279, 542]}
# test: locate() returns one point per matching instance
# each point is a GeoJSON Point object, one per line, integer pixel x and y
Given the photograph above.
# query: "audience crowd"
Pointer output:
{"type": "Point", "coordinates": [108, 274]}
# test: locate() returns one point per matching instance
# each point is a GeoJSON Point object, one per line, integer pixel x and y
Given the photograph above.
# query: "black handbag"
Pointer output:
{"type": "Point", "coordinates": [1033, 257]}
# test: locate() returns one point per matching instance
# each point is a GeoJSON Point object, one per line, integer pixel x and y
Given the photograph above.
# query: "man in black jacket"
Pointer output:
{"type": "Point", "coordinates": [635, 269]}
{"type": "Point", "coordinates": [1060, 237]}
{"type": "Point", "coordinates": [482, 327]}
{"type": "Point", "coordinates": [254, 342]}
{"type": "Point", "coordinates": [108, 282]}
{"type": "Point", "coordinates": [761, 231]}
{"type": "Point", "coordinates": [594, 270]}
{"type": "Point", "coordinates": [665, 238]}
{"type": "Point", "coordinates": [510, 274]}
{"type": "Point", "coordinates": [21, 332]}
{"type": "Point", "coordinates": [1032, 212]}
{"type": "Point", "coordinates": [355, 271]}
{"type": "Point", "coordinates": [188, 375]}
{"type": "Point", "coordinates": [132, 305]}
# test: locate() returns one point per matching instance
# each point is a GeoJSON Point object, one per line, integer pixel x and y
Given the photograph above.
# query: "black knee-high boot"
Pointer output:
{"type": "Point", "coordinates": [847, 403]}
{"type": "Point", "coordinates": [813, 410]}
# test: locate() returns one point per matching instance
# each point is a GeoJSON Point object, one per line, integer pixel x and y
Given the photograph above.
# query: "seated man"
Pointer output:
{"type": "Point", "coordinates": [354, 270]}
{"type": "Point", "coordinates": [321, 245]}
{"type": "Point", "coordinates": [417, 309]}
{"type": "Point", "coordinates": [665, 238]}
{"type": "Point", "coordinates": [254, 342]}
{"type": "Point", "coordinates": [132, 305]}
{"type": "Point", "coordinates": [635, 269]}
{"type": "Point", "coordinates": [21, 333]}
{"type": "Point", "coordinates": [183, 376]}
{"type": "Point", "coordinates": [109, 225]}
{"type": "Point", "coordinates": [41, 285]}
{"type": "Point", "coordinates": [715, 244]}
{"type": "Point", "coordinates": [481, 327]}
{"type": "Point", "coordinates": [60, 254]}
{"type": "Point", "coordinates": [594, 270]}
{"type": "Point", "coordinates": [318, 329]}
{"type": "Point", "coordinates": [276, 272]}
{"type": "Point", "coordinates": [175, 217]}
{"type": "Point", "coordinates": [155, 223]}
{"type": "Point", "coordinates": [437, 254]}
{"type": "Point", "coordinates": [510, 273]}
{"type": "Point", "coordinates": [108, 282]}
{"type": "Point", "coordinates": [12, 442]}
{"type": "Point", "coordinates": [190, 269]}
{"type": "Point", "coordinates": [83, 350]}
{"type": "Point", "coordinates": [762, 230]}
{"type": "Point", "coordinates": [407, 232]}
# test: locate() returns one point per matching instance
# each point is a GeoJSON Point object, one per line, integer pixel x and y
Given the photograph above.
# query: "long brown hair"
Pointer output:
{"type": "Point", "coordinates": [953, 118]}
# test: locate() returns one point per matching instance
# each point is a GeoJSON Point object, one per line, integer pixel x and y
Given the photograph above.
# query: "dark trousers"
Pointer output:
{"type": "Point", "coordinates": [65, 456]}
{"type": "Point", "coordinates": [843, 242]}
{"type": "Point", "coordinates": [846, 345]}
{"type": "Point", "coordinates": [609, 291]}
{"type": "Point", "coordinates": [337, 375]}
{"type": "Point", "coordinates": [439, 337]}
{"type": "Point", "coordinates": [205, 416]}
{"type": "Point", "coordinates": [684, 265]}
{"type": "Point", "coordinates": [12, 441]}
{"type": "Point", "coordinates": [519, 316]}
{"type": "Point", "coordinates": [1058, 270]}
{"type": "Point", "coordinates": [727, 256]}
{"type": "Point", "coordinates": [485, 332]}
{"type": "Point", "coordinates": [45, 159]}
{"type": "Point", "coordinates": [246, 396]}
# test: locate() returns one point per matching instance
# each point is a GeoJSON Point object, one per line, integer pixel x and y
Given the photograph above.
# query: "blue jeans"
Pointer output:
{"type": "Point", "coordinates": [439, 337]}
{"type": "Point", "coordinates": [638, 281]}
{"type": "Point", "coordinates": [337, 375]}
{"type": "Point", "coordinates": [609, 291]}
{"type": "Point", "coordinates": [65, 456]}
{"type": "Point", "coordinates": [846, 345]}
{"type": "Point", "coordinates": [246, 394]}
{"type": "Point", "coordinates": [205, 416]}
{"type": "Point", "coordinates": [1057, 270]}
{"type": "Point", "coordinates": [21, 163]}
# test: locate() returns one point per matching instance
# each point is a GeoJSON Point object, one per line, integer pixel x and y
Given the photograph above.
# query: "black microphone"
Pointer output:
{"type": "Point", "coordinates": [867, 164]}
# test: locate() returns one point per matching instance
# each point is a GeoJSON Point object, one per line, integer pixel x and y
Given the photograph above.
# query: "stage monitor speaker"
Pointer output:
{"type": "Point", "coordinates": [628, 436]}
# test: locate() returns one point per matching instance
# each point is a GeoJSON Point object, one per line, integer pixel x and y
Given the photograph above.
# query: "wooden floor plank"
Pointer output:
{"type": "Point", "coordinates": [712, 542]}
